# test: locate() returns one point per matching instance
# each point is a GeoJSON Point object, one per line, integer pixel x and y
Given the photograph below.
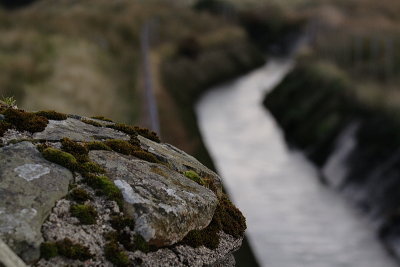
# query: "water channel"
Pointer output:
{"type": "Point", "coordinates": [293, 220]}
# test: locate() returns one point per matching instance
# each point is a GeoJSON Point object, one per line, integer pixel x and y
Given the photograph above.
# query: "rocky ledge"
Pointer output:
{"type": "Point", "coordinates": [87, 191]}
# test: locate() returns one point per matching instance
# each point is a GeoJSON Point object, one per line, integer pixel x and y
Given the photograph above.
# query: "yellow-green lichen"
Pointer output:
{"type": "Point", "coordinates": [192, 175]}
{"type": "Point", "coordinates": [86, 214]}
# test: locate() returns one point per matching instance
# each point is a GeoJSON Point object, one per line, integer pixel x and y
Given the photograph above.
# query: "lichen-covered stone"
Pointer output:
{"type": "Point", "coordinates": [180, 161]}
{"type": "Point", "coordinates": [78, 131]}
{"type": "Point", "coordinates": [165, 204]}
{"type": "Point", "coordinates": [29, 188]}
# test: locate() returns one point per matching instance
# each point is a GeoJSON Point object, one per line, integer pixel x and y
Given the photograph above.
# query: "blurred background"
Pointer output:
{"type": "Point", "coordinates": [294, 102]}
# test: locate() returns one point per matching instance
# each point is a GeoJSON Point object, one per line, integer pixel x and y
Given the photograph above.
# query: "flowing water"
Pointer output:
{"type": "Point", "coordinates": [293, 220]}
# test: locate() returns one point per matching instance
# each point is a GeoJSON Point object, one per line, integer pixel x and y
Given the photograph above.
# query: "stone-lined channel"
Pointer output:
{"type": "Point", "coordinates": [293, 220]}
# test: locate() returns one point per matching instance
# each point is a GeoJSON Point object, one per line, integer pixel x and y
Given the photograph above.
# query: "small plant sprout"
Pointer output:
{"type": "Point", "coordinates": [8, 101]}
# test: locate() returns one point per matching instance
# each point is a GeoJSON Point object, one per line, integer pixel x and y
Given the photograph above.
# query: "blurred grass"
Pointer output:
{"type": "Point", "coordinates": [78, 57]}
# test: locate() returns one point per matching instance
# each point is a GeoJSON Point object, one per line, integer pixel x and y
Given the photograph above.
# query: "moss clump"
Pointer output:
{"type": "Point", "coordinates": [121, 222]}
{"type": "Point", "coordinates": [93, 123]}
{"type": "Point", "coordinates": [101, 118]}
{"type": "Point", "coordinates": [207, 237]}
{"type": "Point", "coordinates": [4, 126]}
{"type": "Point", "coordinates": [148, 134]}
{"type": "Point", "coordinates": [72, 250]}
{"type": "Point", "coordinates": [121, 146]}
{"type": "Point", "coordinates": [79, 151]}
{"type": "Point", "coordinates": [52, 115]}
{"type": "Point", "coordinates": [91, 167]}
{"type": "Point", "coordinates": [64, 248]}
{"type": "Point", "coordinates": [60, 157]}
{"type": "Point", "coordinates": [79, 195]}
{"type": "Point", "coordinates": [130, 130]}
{"type": "Point", "coordinates": [86, 214]}
{"type": "Point", "coordinates": [48, 250]}
{"type": "Point", "coordinates": [116, 255]}
{"type": "Point", "coordinates": [232, 220]}
{"type": "Point", "coordinates": [192, 175]}
{"type": "Point", "coordinates": [226, 218]}
{"type": "Point", "coordinates": [25, 121]}
{"type": "Point", "coordinates": [105, 187]}
{"type": "Point", "coordinates": [96, 145]}
{"type": "Point", "coordinates": [145, 156]}
{"type": "Point", "coordinates": [141, 244]}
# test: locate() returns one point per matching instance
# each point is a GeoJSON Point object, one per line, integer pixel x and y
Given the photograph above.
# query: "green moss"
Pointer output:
{"type": "Point", "coordinates": [141, 244]}
{"type": "Point", "coordinates": [4, 126]}
{"type": "Point", "coordinates": [79, 151]}
{"type": "Point", "coordinates": [105, 187]}
{"type": "Point", "coordinates": [52, 115]}
{"type": "Point", "coordinates": [86, 214]}
{"type": "Point", "coordinates": [48, 250]}
{"type": "Point", "coordinates": [96, 145]}
{"type": "Point", "coordinates": [60, 157]}
{"type": "Point", "coordinates": [226, 218]}
{"type": "Point", "coordinates": [121, 222]}
{"type": "Point", "coordinates": [64, 248]}
{"type": "Point", "coordinates": [79, 195]}
{"type": "Point", "coordinates": [91, 167]}
{"type": "Point", "coordinates": [145, 156]}
{"type": "Point", "coordinates": [121, 146]}
{"type": "Point", "coordinates": [93, 123]}
{"type": "Point", "coordinates": [207, 237]}
{"type": "Point", "coordinates": [116, 255]}
{"type": "Point", "coordinates": [25, 121]}
{"type": "Point", "coordinates": [130, 130]}
{"type": "Point", "coordinates": [147, 134]}
{"type": "Point", "coordinates": [101, 118]}
{"type": "Point", "coordinates": [192, 175]}
{"type": "Point", "coordinates": [72, 250]}
{"type": "Point", "coordinates": [232, 220]}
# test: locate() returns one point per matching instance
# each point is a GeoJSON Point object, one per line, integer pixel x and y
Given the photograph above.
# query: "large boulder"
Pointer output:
{"type": "Point", "coordinates": [78, 191]}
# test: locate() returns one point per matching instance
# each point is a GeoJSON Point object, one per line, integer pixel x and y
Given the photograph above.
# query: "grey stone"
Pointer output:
{"type": "Point", "coordinates": [2, 117]}
{"type": "Point", "coordinates": [29, 188]}
{"type": "Point", "coordinates": [166, 205]}
{"type": "Point", "coordinates": [203, 256]}
{"type": "Point", "coordinates": [8, 257]}
{"type": "Point", "coordinates": [179, 160]}
{"type": "Point", "coordinates": [78, 131]}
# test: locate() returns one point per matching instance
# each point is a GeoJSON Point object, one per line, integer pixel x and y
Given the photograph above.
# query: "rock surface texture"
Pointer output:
{"type": "Point", "coordinates": [78, 191]}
